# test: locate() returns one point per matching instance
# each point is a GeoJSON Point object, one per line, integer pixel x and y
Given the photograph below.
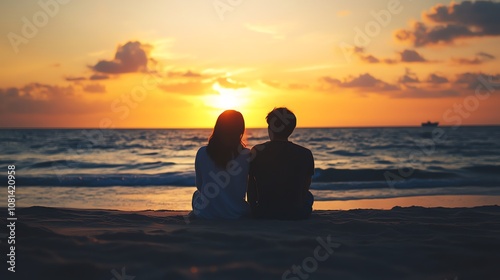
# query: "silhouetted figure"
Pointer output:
{"type": "Point", "coordinates": [222, 171]}
{"type": "Point", "coordinates": [280, 174]}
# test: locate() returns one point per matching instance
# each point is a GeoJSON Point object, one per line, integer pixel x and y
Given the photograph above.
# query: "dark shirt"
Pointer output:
{"type": "Point", "coordinates": [279, 180]}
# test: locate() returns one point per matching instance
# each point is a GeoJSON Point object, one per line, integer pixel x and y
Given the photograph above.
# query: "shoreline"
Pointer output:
{"type": "Point", "coordinates": [179, 199]}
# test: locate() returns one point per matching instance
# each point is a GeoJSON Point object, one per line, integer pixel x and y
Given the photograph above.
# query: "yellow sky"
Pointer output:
{"type": "Point", "coordinates": [180, 64]}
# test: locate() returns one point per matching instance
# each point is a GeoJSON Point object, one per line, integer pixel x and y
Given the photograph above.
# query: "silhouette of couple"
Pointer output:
{"type": "Point", "coordinates": [275, 176]}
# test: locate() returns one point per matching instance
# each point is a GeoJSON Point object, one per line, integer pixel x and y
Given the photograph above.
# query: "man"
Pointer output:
{"type": "Point", "coordinates": [280, 172]}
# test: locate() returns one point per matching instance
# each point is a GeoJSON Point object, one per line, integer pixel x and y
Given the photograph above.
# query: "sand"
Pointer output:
{"type": "Point", "coordinates": [401, 243]}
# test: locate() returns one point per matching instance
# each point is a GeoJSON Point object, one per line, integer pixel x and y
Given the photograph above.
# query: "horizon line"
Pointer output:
{"type": "Point", "coordinates": [299, 127]}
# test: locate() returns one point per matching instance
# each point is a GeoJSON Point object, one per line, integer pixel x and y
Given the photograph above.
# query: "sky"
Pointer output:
{"type": "Point", "coordinates": [179, 64]}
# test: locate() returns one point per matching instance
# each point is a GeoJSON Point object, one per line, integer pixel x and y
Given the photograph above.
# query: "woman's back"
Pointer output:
{"type": "Point", "coordinates": [221, 191]}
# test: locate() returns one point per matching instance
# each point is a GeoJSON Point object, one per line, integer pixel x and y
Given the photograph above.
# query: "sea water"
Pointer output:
{"type": "Point", "coordinates": [154, 168]}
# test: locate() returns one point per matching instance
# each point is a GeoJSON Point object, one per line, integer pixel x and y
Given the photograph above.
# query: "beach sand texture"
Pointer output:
{"type": "Point", "coordinates": [402, 243]}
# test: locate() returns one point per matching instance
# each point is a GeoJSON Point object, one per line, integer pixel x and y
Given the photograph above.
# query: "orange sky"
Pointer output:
{"type": "Point", "coordinates": [178, 64]}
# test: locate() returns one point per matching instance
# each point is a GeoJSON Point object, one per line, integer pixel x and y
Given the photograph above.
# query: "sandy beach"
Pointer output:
{"type": "Point", "coordinates": [401, 243]}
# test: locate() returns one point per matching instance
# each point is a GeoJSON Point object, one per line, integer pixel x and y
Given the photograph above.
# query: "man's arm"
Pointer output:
{"type": "Point", "coordinates": [311, 172]}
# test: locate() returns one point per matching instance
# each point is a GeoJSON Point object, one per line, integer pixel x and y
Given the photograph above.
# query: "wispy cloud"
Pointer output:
{"type": "Point", "coordinates": [277, 30]}
{"type": "Point", "coordinates": [479, 58]}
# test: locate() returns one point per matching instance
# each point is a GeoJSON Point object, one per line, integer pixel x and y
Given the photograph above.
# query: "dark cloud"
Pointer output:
{"type": "Point", "coordinates": [96, 77]}
{"type": "Point", "coordinates": [485, 55]}
{"type": "Point", "coordinates": [404, 56]}
{"type": "Point", "coordinates": [363, 81]}
{"type": "Point", "coordinates": [75, 79]}
{"type": "Point", "coordinates": [420, 92]}
{"type": "Point", "coordinates": [39, 98]}
{"type": "Point", "coordinates": [472, 81]}
{"type": "Point", "coordinates": [409, 85]}
{"type": "Point", "coordinates": [457, 20]}
{"type": "Point", "coordinates": [131, 57]}
{"type": "Point", "coordinates": [411, 56]}
{"type": "Point", "coordinates": [368, 58]}
{"type": "Point", "coordinates": [436, 79]}
{"type": "Point", "coordinates": [409, 77]}
{"type": "Point", "coordinates": [94, 88]}
{"type": "Point", "coordinates": [480, 58]}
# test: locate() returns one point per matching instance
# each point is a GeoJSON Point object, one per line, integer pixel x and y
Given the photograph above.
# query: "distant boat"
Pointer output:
{"type": "Point", "coordinates": [430, 124]}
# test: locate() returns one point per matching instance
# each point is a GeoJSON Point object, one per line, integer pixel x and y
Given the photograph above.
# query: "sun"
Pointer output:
{"type": "Point", "coordinates": [227, 98]}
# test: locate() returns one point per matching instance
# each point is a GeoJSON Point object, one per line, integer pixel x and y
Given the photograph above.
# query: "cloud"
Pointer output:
{"type": "Point", "coordinates": [410, 86]}
{"type": "Point", "coordinates": [36, 98]}
{"type": "Point", "coordinates": [406, 56]}
{"type": "Point", "coordinates": [129, 58]}
{"type": "Point", "coordinates": [419, 92]}
{"type": "Point", "coordinates": [411, 56]}
{"type": "Point", "coordinates": [485, 55]}
{"type": "Point", "coordinates": [186, 74]}
{"type": "Point", "coordinates": [94, 88]}
{"type": "Point", "coordinates": [75, 79]}
{"type": "Point", "coordinates": [98, 77]}
{"type": "Point", "coordinates": [472, 80]}
{"type": "Point", "coordinates": [436, 79]}
{"type": "Point", "coordinates": [277, 31]}
{"type": "Point", "coordinates": [409, 77]}
{"type": "Point", "coordinates": [479, 58]}
{"type": "Point", "coordinates": [363, 81]}
{"type": "Point", "coordinates": [458, 20]}
{"type": "Point", "coordinates": [229, 83]}
{"type": "Point", "coordinates": [360, 52]}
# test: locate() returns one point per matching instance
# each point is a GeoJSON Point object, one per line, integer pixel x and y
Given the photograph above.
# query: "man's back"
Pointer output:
{"type": "Point", "coordinates": [280, 175]}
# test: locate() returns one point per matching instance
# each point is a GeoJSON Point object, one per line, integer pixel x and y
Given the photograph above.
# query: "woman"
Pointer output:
{"type": "Point", "coordinates": [222, 171]}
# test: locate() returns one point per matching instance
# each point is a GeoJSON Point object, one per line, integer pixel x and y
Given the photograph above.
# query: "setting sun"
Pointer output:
{"type": "Point", "coordinates": [227, 98]}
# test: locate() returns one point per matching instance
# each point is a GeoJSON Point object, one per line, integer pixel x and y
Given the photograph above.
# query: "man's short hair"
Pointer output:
{"type": "Point", "coordinates": [281, 121]}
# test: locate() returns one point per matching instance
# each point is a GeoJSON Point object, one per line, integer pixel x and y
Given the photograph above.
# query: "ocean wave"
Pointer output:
{"type": "Point", "coordinates": [109, 180]}
{"type": "Point", "coordinates": [324, 179]}
{"type": "Point", "coordinates": [348, 153]}
{"type": "Point", "coordinates": [63, 164]}
{"type": "Point", "coordinates": [488, 169]}
{"type": "Point", "coordinates": [362, 175]}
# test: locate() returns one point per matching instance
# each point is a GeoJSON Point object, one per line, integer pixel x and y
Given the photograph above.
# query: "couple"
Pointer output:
{"type": "Point", "coordinates": [275, 176]}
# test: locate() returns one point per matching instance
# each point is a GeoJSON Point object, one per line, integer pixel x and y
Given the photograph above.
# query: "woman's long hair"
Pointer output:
{"type": "Point", "coordinates": [225, 142]}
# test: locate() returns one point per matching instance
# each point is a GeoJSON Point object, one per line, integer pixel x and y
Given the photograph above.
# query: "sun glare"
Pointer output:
{"type": "Point", "coordinates": [227, 98]}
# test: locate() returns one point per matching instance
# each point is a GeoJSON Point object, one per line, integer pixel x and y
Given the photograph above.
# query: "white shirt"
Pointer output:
{"type": "Point", "coordinates": [221, 192]}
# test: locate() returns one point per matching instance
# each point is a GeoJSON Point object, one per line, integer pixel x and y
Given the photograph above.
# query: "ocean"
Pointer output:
{"type": "Point", "coordinates": [154, 168]}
